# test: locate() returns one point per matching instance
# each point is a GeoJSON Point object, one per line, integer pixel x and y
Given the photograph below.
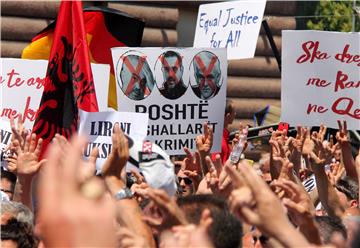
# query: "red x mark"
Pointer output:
{"type": "Point", "coordinates": [135, 75]}
{"type": "Point", "coordinates": [172, 72]}
{"type": "Point", "coordinates": [206, 72]}
{"type": "Point", "coordinates": [147, 146]}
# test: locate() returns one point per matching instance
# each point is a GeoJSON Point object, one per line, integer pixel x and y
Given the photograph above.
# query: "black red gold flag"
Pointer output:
{"type": "Point", "coordinates": [105, 28]}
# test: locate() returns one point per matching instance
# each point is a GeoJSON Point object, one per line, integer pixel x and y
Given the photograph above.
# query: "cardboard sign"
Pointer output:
{"type": "Point", "coordinates": [98, 127]}
{"type": "Point", "coordinates": [320, 80]}
{"type": "Point", "coordinates": [22, 83]}
{"type": "Point", "coordinates": [234, 25]}
{"type": "Point", "coordinates": [5, 139]}
{"type": "Point", "coordinates": [180, 89]}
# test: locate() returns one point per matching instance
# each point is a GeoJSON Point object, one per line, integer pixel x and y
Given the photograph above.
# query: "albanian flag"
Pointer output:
{"type": "Point", "coordinates": [69, 82]}
{"type": "Point", "coordinates": [105, 28]}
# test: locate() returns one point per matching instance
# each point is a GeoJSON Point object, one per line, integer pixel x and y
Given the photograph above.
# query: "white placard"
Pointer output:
{"type": "Point", "coordinates": [22, 84]}
{"type": "Point", "coordinates": [5, 138]}
{"type": "Point", "coordinates": [98, 127]}
{"type": "Point", "coordinates": [180, 89]}
{"type": "Point", "coordinates": [234, 25]}
{"type": "Point", "coordinates": [320, 80]}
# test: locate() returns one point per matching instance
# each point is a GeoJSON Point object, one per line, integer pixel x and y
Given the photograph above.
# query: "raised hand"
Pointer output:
{"type": "Point", "coordinates": [243, 130]}
{"type": "Point", "coordinates": [307, 143]}
{"type": "Point", "coordinates": [320, 154]}
{"type": "Point", "coordinates": [279, 160]}
{"type": "Point", "coordinates": [73, 214]}
{"type": "Point", "coordinates": [216, 181]}
{"type": "Point", "coordinates": [297, 201]}
{"type": "Point", "coordinates": [300, 208]}
{"type": "Point", "coordinates": [12, 162]}
{"type": "Point", "coordinates": [341, 135]}
{"type": "Point", "coordinates": [139, 188]}
{"type": "Point", "coordinates": [343, 140]}
{"type": "Point", "coordinates": [335, 173]}
{"type": "Point", "coordinates": [27, 158]}
{"type": "Point", "coordinates": [204, 142]}
{"type": "Point", "coordinates": [19, 132]}
{"type": "Point", "coordinates": [284, 164]}
{"type": "Point", "coordinates": [119, 155]}
{"type": "Point", "coordinates": [88, 168]}
{"type": "Point", "coordinates": [262, 208]}
{"type": "Point", "coordinates": [192, 161]}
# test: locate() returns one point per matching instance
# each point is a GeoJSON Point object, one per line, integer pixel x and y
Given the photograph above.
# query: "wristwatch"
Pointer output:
{"type": "Point", "coordinates": [124, 193]}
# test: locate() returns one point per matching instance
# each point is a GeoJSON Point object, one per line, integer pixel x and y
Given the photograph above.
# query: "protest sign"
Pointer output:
{"type": "Point", "coordinates": [234, 25]}
{"type": "Point", "coordinates": [320, 80]}
{"type": "Point", "coordinates": [180, 89]}
{"type": "Point", "coordinates": [5, 138]}
{"type": "Point", "coordinates": [22, 83]}
{"type": "Point", "coordinates": [98, 127]}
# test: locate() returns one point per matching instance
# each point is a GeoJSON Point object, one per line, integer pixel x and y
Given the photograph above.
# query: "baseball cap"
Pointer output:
{"type": "Point", "coordinates": [154, 164]}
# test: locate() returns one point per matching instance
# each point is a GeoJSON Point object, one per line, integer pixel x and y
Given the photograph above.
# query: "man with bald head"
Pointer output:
{"type": "Point", "coordinates": [136, 77]}
{"type": "Point", "coordinates": [207, 74]}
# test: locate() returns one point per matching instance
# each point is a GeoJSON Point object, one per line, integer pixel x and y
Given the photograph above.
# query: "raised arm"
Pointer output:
{"type": "Point", "coordinates": [343, 140]}
{"type": "Point", "coordinates": [204, 144]}
{"type": "Point", "coordinates": [128, 212]}
{"type": "Point", "coordinates": [259, 206]}
{"type": "Point", "coordinates": [327, 193]}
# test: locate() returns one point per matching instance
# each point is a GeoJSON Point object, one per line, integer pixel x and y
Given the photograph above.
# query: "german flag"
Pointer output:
{"type": "Point", "coordinates": [105, 28]}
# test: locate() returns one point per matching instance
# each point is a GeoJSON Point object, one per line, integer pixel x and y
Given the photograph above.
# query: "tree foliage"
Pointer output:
{"type": "Point", "coordinates": [334, 16]}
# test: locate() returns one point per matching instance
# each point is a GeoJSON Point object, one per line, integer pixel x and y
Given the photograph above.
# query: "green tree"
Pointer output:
{"type": "Point", "coordinates": [334, 16]}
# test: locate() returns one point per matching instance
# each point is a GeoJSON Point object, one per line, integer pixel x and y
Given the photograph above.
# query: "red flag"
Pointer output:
{"type": "Point", "coordinates": [69, 83]}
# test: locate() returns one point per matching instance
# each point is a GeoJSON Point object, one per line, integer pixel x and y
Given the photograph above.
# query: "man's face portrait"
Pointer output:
{"type": "Point", "coordinates": [172, 69]}
{"type": "Point", "coordinates": [207, 73]}
{"type": "Point", "coordinates": [136, 76]}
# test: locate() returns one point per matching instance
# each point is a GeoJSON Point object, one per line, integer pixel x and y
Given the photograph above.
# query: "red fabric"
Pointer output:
{"type": "Point", "coordinates": [102, 41]}
{"type": "Point", "coordinates": [225, 147]}
{"type": "Point", "coordinates": [69, 82]}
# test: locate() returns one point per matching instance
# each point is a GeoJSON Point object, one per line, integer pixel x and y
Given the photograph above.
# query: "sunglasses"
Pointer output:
{"type": "Point", "coordinates": [263, 239]}
{"type": "Point", "coordinates": [7, 191]}
{"type": "Point", "coordinates": [187, 180]}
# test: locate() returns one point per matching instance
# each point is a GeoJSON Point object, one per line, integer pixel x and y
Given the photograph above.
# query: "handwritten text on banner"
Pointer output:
{"type": "Point", "coordinates": [22, 83]}
{"type": "Point", "coordinates": [234, 25]}
{"type": "Point", "coordinates": [320, 78]}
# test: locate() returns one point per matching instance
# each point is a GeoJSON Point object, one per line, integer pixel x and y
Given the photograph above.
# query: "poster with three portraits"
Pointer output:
{"type": "Point", "coordinates": [179, 88]}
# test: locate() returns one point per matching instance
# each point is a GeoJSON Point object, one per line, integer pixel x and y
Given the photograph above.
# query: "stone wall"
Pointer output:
{"type": "Point", "coordinates": [252, 83]}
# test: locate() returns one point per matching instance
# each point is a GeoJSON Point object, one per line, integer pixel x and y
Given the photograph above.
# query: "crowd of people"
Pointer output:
{"type": "Point", "coordinates": [303, 192]}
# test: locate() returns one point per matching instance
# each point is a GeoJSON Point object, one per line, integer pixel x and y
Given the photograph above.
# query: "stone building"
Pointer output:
{"type": "Point", "coordinates": [252, 83]}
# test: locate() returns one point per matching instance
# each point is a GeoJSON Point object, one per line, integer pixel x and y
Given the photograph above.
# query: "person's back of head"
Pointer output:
{"type": "Point", "coordinates": [9, 175]}
{"type": "Point", "coordinates": [18, 211]}
{"type": "Point", "coordinates": [328, 226]}
{"type": "Point", "coordinates": [225, 230]}
{"type": "Point", "coordinates": [349, 187]}
{"type": "Point", "coordinates": [19, 233]}
{"type": "Point", "coordinates": [229, 113]}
